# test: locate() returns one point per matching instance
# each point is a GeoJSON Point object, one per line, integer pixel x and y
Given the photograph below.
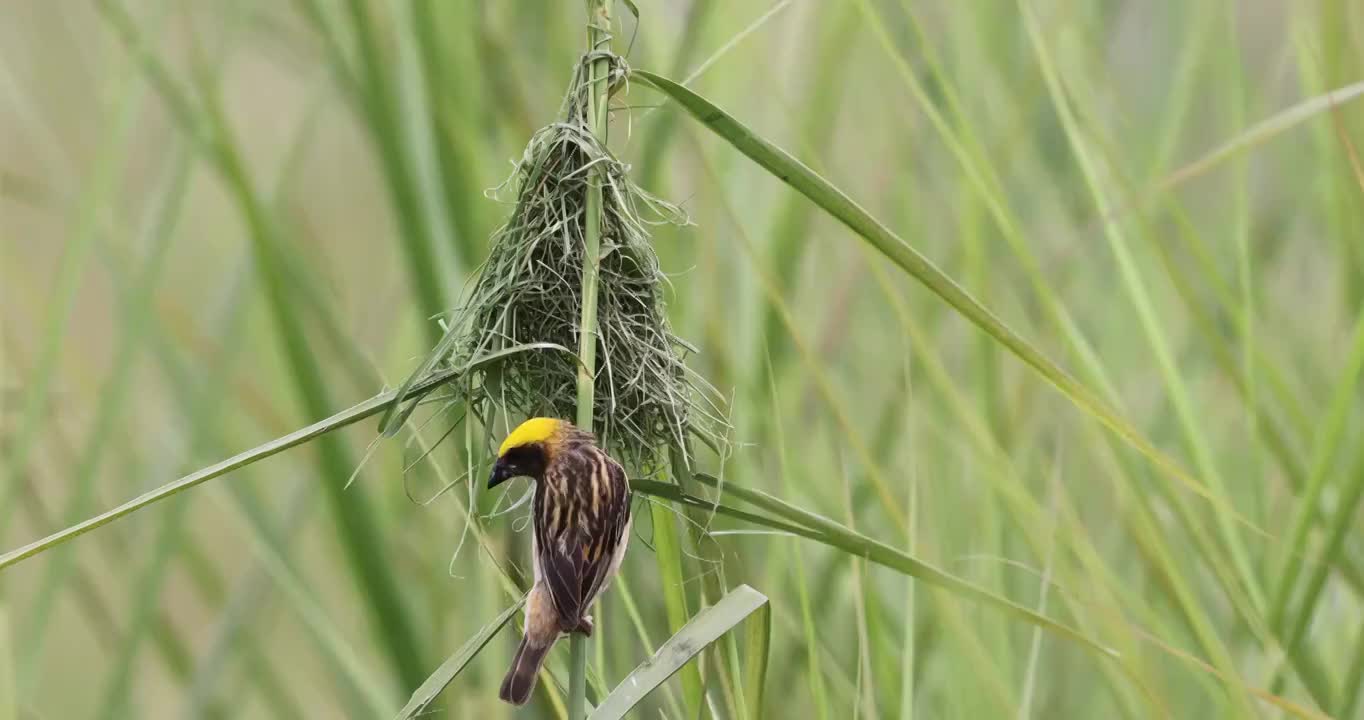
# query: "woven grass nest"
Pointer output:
{"type": "Point", "coordinates": [529, 292]}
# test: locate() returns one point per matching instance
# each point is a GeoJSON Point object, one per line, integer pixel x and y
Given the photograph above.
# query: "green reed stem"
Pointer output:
{"type": "Point", "coordinates": [598, 35]}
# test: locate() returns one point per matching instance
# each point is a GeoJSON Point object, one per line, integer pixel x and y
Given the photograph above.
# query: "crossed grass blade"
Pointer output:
{"type": "Point", "coordinates": [800, 177]}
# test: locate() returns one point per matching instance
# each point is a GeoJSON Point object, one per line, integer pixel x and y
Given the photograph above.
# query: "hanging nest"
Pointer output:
{"type": "Point", "coordinates": [529, 292]}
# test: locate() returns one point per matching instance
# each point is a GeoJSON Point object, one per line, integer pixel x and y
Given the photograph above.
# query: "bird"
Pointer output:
{"type": "Point", "coordinates": [580, 528]}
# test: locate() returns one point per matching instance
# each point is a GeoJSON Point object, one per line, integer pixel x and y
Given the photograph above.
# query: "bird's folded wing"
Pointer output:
{"type": "Point", "coordinates": [579, 523]}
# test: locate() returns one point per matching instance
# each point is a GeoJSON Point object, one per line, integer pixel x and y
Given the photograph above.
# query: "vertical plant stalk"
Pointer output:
{"type": "Point", "coordinates": [598, 34]}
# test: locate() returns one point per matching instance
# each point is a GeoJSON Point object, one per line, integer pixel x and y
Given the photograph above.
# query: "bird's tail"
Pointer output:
{"type": "Point", "coordinates": [520, 680]}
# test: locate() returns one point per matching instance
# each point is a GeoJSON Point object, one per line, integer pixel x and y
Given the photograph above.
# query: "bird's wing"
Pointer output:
{"type": "Point", "coordinates": [614, 513]}
{"type": "Point", "coordinates": [582, 509]}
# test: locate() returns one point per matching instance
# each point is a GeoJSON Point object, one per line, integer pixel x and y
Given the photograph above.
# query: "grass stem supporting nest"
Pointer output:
{"type": "Point", "coordinates": [598, 35]}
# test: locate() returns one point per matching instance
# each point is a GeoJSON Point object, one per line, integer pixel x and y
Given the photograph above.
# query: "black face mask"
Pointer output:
{"type": "Point", "coordinates": [523, 461]}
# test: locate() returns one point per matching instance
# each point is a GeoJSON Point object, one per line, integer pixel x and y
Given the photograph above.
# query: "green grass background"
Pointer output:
{"type": "Point", "coordinates": [221, 221]}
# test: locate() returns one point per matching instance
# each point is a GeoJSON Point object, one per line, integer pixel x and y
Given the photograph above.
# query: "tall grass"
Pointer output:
{"type": "Point", "coordinates": [1040, 325]}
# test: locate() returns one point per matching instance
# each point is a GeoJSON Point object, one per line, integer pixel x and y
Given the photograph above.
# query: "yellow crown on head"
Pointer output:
{"type": "Point", "coordinates": [534, 430]}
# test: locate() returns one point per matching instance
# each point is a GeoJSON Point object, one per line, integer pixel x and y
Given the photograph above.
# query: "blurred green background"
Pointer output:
{"type": "Point", "coordinates": [224, 220]}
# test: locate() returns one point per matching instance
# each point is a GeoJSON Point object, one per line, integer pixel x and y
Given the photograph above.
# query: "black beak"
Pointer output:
{"type": "Point", "coordinates": [502, 472]}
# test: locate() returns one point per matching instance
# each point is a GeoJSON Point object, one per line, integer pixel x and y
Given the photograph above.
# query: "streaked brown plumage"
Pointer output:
{"type": "Point", "coordinates": [581, 526]}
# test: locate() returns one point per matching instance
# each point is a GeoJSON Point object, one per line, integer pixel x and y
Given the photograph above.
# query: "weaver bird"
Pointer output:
{"type": "Point", "coordinates": [581, 512]}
